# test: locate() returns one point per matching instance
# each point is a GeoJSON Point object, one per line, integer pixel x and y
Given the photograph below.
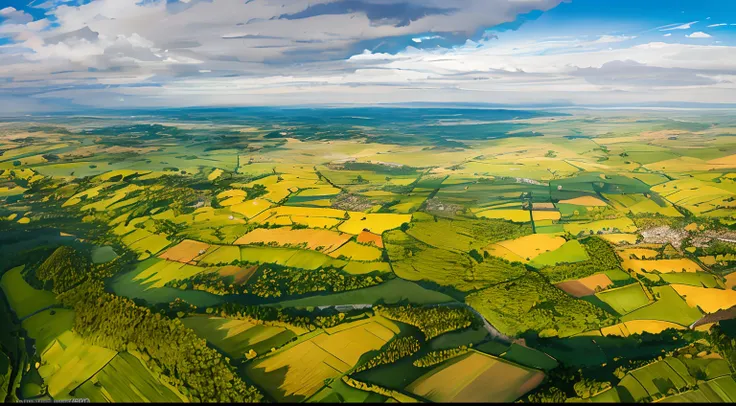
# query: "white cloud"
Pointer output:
{"type": "Point", "coordinates": [717, 25]}
{"type": "Point", "coordinates": [698, 34]}
{"type": "Point", "coordinates": [607, 39]}
{"type": "Point", "coordinates": [671, 27]}
{"type": "Point", "coordinates": [426, 38]}
{"type": "Point", "coordinates": [237, 52]}
{"type": "Point", "coordinates": [13, 16]}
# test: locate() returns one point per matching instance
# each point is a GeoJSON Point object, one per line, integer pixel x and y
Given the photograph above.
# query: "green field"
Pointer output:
{"type": "Point", "coordinates": [625, 299]}
{"type": "Point", "coordinates": [125, 379]}
{"type": "Point", "coordinates": [389, 292]}
{"type": "Point", "coordinates": [235, 337]}
{"type": "Point", "coordinates": [668, 307]}
{"type": "Point", "coordinates": [570, 251]}
{"type": "Point", "coordinates": [691, 278]}
{"type": "Point", "coordinates": [22, 297]}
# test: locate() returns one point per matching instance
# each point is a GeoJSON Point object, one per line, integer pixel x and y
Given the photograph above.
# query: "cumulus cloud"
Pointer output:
{"type": "Point", "coordinates": [698, 34]}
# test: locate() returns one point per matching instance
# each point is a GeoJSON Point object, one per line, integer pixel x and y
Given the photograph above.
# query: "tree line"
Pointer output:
{"type": "Point", "coordinates": [432, 321]}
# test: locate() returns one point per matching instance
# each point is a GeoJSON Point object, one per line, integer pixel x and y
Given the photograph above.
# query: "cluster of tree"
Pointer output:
{"type": "Point", "coordinates": [298, 318]}
{"type": "Point", "coordinates": [601, 255]}
{"type": "Point", "coordinates": [255, 191]}
{"type": "Point", "coordinates": [719, 247]}
{"type": "Point", "coordinates": [648, 220]}
{"type": "Point", "coordinates": [438, 356]}
{"type": "Point", "coordinates": [393, 351]}
{"type": "Point", "coordinates": [275, 281]}
{"type": "Point", "coordinates": [63, 269]}
{"type": "Point", "coordinates": [13, 355]}
{"type": "Point", "coordinates": [369, 387]}
{"type": "Point", "coordinates": [586, 388]}
{"type": "Point", "coordinates": [724, 343]}
{"type": "Point", "coordinates": [530, 304]}
{"type": "Point", "coordinates": [210, 282]}
{"type": "Point", "coordinates": [549, 395]}
{"type": "Point", "coordinates": [169, 349]}
{"type": "Point", "coordinates": [432, 321]}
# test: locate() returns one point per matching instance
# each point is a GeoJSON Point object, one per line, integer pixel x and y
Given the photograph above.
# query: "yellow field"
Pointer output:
{"type": "Point", "coordinates": [90, 193]}
{"type": "Point", "coordinates": [695, 195]}
{"type": "Point", "coordinates": [69, 361]}
{"type": "Point", "coordinates": [296, 373]}
{"type": "Point", "coordinates": [620, 238]}
{"type": "Point", "coordinates": [519, 216]}
{"type": "Point", "coordinates": [476, 377]}
{"type": "Point", "coordinates": [641, 253]}
{"type": "Point", "coordinates": [619, 225]}
{"type": "Point", "coordinates": [349, 341]}
{"type": "Point", "coordinates": [214, 174]}
{"type": "Point", "coordinates": [315, 239]}
{"type": "Point", "coordinates": [143, 242]}
{"type": "Point", "coordinates": [358, 252]}
{"type": "Point", "coordinates": [709, 300]}
{"type": "Point", "coordinates": [588, 201]}
{"type": "Point", "coordinates": [718, 259]}
{"type": "Point", "coordinates": [232, 201]}
{"type": "Point", "coordinates": [525, 248]}
{"type": "Point", "coordinates": [251, 208]}
{"type": "Point", "coordinates": [185, 251]}
{"type": "Point", "coordinates": [165, 271]}
{"type": "Point", "coordinates": [376, 223]}
{"type": "Point", "coordinates": [638, 327]}
{"type": "Point", "coordinates": [320, 191]}
{"type": "Point", "coordinates": [726, 161]}
{"type": "Point", "coordinates": [731, 280]}
{"type": "Point", "coordinates": [661, 265]}
{"type": "Point", "coordinates": [546, 215]}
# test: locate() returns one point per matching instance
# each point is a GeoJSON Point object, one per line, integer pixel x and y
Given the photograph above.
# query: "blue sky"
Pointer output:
{"type": "Point", "coordinates": [57, 54]}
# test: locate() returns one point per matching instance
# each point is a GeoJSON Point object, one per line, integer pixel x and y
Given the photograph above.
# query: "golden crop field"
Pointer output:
{"type": "Point", "coordinates": [588, 201]}
{"type": "Point", "coordinates": [296, 373]}
{"type": "Point", "coordinates": [353, 340]}
{"type": "Point", "coordinates": [166, 271]}
{"type": "Point", "coordinates": [708, 299]}
{"type": "Point", "coordinates": [475, 377]}
{"type": "Point", "coordinates": [299, 371]}
{"type": "Point", "coordinates": [358, 252]}
{"type": "Point", "coordinates": [660, 265]}
{"type": "Point", "coordinates": [628, 328]}
{"type": "Point", "coordinates": [525, 248]}
{"type": "Point", "coordinates": [185, 251]}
